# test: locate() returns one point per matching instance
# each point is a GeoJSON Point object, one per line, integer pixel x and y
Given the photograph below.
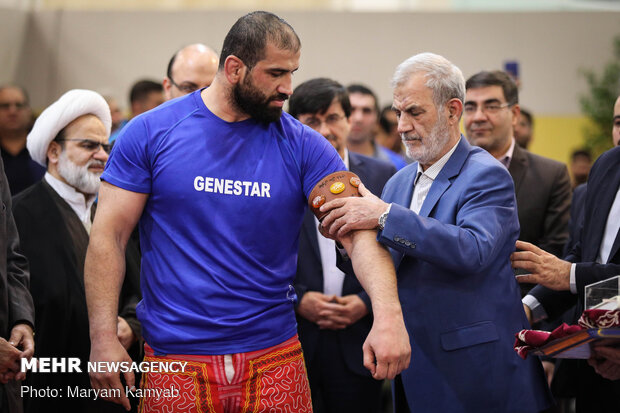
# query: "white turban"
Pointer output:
{"type": "Point", "coordinates": [70, 106]}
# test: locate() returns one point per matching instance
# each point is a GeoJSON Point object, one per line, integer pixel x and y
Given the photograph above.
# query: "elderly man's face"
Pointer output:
{"type": "Point", "coordinates": [423, 128]}
{"type": "Point", "coordinates": [84, 155]}
{"type": "Point", "coordinates": [488, 118]}
{"type": "Point", "coordinates": [363, 117]}
{"type": "Point", "coordinates": [333, 125]}
{"type": "Point", "coordinates": [14, 110]}
{"type": "Point", "coordinates": [616, 128]}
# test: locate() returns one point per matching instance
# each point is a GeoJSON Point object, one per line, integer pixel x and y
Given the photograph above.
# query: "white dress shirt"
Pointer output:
{"type": "Point", "coordinates": [424, 180]}
{"type": "Point", "coordinates": [80, 204]}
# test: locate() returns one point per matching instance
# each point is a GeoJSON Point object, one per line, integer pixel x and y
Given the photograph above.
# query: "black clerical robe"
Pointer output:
{"type": "Point", "coordinates": [55, 242]}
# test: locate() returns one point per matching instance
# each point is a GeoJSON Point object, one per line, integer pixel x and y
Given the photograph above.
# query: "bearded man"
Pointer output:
{"type": "Point", "coordinates": [219, 180]}
{"type": "Point", "coordinates": [53, 219]}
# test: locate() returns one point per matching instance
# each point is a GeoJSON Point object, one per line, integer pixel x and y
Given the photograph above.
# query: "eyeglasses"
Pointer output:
{"type": "Point", "coordinates": [186, 88]}
{"type": "Point", "coordinates": [90, 145]}
{"type": "Point", "coordinates": [331, 120]}
{"type": "Point", "coordinates": [488, 108]}
{"type": "Point", "coordinates": [18, 105]}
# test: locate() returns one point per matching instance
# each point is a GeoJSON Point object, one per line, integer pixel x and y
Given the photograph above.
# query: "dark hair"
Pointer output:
{"type": "Point", "coordinates": [527, 115]}
{"type": "Point", "coordinates": [385, 124]}
{"type": "Point", "coordinates": [247, 38]}
{"type": "Point", "coordinates": [20, 88]}
{"type": "Point", "coordinates": [142, 88]}
{"type": "Point", "coordinates": [581, 153]}
{"type": "Point", "coordinates": [359, 88]}
{"type": "Point", "coordinates": [316, 95]}
{"type": "Point", "coordinates": [171, 63]}
{"type": "Point", "coordinates": [495, 78]}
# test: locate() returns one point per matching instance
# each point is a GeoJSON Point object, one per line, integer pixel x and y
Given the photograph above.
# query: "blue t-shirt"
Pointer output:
{"type": "Point", "coordinates": [219, 230]}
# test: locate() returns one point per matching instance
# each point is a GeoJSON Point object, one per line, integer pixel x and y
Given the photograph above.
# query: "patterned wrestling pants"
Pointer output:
{"type": "Point", "coordinates": [269, 380]}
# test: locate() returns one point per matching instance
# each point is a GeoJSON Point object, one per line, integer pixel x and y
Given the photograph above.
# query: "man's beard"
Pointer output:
{"type": "Point", "coordinates": [251, 101]}
{"type": "Point", "coordinates": [79, 177]}
{"type": "Point", "coordinates": [432, 145]}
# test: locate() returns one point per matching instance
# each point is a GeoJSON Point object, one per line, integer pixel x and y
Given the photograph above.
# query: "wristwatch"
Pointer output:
{"type": "Point", "coordinates": [383, 218]}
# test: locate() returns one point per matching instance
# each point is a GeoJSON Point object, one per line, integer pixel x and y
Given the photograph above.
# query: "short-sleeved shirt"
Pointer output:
{"type": "Point", "coordinates": [219, 230]}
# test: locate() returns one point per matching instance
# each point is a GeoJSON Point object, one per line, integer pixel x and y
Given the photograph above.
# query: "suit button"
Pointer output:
{"type": "Point", "coordinates": [407, 243]}
{"type": "Point", "coordinates": [397, 238]}
{"type": "Point", "coordinates": [413, 245]}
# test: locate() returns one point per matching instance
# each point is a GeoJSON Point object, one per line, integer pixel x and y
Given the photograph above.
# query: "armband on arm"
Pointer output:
{"type": "Point", "coordinates": [336, 185]}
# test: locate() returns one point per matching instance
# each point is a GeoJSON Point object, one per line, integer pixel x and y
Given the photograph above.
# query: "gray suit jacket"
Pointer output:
{"type": "Point", "coordinates": [543, 192]}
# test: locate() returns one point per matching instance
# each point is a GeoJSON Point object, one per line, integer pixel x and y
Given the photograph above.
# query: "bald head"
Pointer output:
{"type": "Point", "coordinates": [191, 68]}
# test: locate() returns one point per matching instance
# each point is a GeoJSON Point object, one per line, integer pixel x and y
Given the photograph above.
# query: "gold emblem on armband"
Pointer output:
{"type": "Point", "coordinates": [336, 188]}
{"type": "Point", "coordinates": [318, 201]}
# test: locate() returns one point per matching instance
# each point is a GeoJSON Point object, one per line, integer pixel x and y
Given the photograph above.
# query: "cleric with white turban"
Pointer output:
{"type": "Point", "coordinates": [70, 106]}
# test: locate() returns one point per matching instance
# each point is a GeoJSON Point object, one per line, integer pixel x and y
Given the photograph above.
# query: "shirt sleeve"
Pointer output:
{"type": "Point", "coordinates": [129, 165]}
{"type": "Point", "coordinates": [319, 159]}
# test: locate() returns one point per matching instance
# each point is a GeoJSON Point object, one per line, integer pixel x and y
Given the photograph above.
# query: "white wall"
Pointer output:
{"type": "Point", "coordinates": [109, 50]}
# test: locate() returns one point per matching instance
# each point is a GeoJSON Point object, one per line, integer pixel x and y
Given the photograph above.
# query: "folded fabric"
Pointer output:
{"type": "Point", "coordinates": [528, 340]}
{"type": "Point", "coordinates": [600, 319]}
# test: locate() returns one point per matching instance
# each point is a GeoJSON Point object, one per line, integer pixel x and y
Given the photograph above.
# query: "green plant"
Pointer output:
{"type": "Point", "coordinates": [598, 104]}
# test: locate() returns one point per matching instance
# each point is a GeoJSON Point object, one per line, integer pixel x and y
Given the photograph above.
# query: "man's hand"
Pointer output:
{"type": "Point", "coordinates": [9, 361]}
{"type": "Point", "coordinates": [528, 313]}
{"type": "Point", "coordinates": [387, 351]}
{"type": "Point", "coordinates": [606, 361]}
{"type": "Point", "coordinates": [548, 368]}
{"type": "Point", "coordinates": [545, 269]}
{"type": "Point", "coordinates": [351, 309]}
{"type": "Point", "coordinates": [352, 213]}
{"type": "Point", "coordinates": [125, 333]}
{"type": "Point", "coordinates": [316, 307]}
{"type": "Point", "coordinates": [111, 350]}
{"type": "Point", "coordinates": [22, 337]}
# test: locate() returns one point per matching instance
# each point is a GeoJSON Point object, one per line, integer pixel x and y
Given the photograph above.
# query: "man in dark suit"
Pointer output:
{"type": "Point", "coordinates": [594, 257]}
{"type": "Point", "coordinates": [450, 220]}
{"type": "Point", "coordinates": [542, 185]}
{"type": "Point", "coordinates": [333, 311]}
{"type": "Point", "coordinates": [17, 309]}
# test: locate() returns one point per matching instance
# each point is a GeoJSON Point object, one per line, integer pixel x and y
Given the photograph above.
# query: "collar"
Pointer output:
{"type": "Point", "coordinates": [346, 159]}
{"type": "Point", "coordinates": [507, 157]}
{"type": "Point", "coordinates": [435, 168]}
{"type": "Point", "coordinates": [76, 200]}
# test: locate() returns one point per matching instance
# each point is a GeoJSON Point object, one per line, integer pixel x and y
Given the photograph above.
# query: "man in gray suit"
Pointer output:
{"type": "Point", "coordinates": [17, 309]}
{"type": "Point", "coordinates": [542, 185]}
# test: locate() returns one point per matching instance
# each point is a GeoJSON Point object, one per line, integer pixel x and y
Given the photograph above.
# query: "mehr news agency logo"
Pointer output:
{"type": "Point", "coordinates": [73, 365]}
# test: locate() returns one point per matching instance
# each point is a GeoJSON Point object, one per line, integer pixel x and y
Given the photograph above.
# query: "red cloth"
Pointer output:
{"type": "Point", "coordinates": [273, 379]}
{"type": "Point", "coordinates": [527, 340]}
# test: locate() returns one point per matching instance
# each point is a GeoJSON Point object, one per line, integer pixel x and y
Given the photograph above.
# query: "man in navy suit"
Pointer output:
{"type": "Point", "coordinates": [333, 311]}
{"type": "Point", "coordinates": [594, 256]}
{"type": "Point", "coordinates": [451, 221]}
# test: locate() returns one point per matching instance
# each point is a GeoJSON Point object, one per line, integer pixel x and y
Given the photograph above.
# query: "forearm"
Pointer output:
{"type": "Point", "coordinates": [104, 271]}
{"type": "Point", "coordinates": [374, 269]}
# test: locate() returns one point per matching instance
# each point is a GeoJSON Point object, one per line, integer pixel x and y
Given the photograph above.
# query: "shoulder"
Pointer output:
{"type": "Point", "coordinates": [32, 204]}
{"type": "Point", "coordinates": [373, 165]}
{"type": "Point", "coordinates": [609, 157]}
{"type": "Point", "coordinates": [165, 116]}
{"type": "Point", "coordinates": [539, 161]}
{"type": "Point", "coordinates": [29, 196]}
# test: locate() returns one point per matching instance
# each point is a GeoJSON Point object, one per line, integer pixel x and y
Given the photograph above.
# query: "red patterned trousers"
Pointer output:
{"type": "Point", "coordinates": [269, 380]}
